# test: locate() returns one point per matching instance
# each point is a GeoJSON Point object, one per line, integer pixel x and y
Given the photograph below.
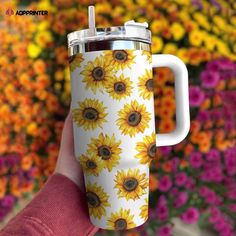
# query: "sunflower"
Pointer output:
{"type": "Point", "coordinates": [133, 118]}
{"type": "Point", "coordinates": [90, 114]}
{"type": "Point", "coordinates": [146, 149]}
{"type": "Point", "coordinates": [144, 210]}
{"type": "Point", "coordinates": [97, 200]}
{"type": "Point", "coordinates": [148, 55]}
{"type": "Point", "coordinates": [145, 84]}
{"type": "Point", "coordinates": [119, 87]}
{"type": "Point", "coordinates": [75, 61]}
{"type": "Point", "coordinates": [121, 220]}
{"type": "Point", "coordinates": [96, 73]}
{"type": "Point", "coordinates": [120, 59]}
{"type": "Point", "coordinates": [91, 165]}
{"type": "Point", "coordinates": [131, 184]}
{"type": "Point", "coordinates": [107, 148]}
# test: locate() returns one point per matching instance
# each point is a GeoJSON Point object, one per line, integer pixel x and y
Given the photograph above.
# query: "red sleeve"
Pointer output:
{"type": "Point", "coordinates": [58, 209]}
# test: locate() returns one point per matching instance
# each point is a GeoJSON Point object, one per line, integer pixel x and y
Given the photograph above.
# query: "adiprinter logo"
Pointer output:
{"type": "Point", "coordinates": [10, 12]}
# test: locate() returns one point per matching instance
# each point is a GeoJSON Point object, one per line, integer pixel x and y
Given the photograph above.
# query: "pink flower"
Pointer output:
{"type": "Point", "coordinates": [162, 212]}
{"type": "Point", "coordinates": [8, 201]}
{"type": "Point", "coordinates": [196, 160]}
{"type": "Point", "coordinates": [190, 216]}
{"type": "Point", "coordinates": [181, 199]}
{"type": "Point", "coordinates": [209, 78]}
{"type": "Point", "coordinates": [196, 96]}
{"type": "Point", "coordinates": [213, 155]}
{"type": "Point", "coordinates": [165, 184]}
{"type": "Point", "coordinates": [165, 231]}
{"type": "Point", "coordinates": [180, 179]}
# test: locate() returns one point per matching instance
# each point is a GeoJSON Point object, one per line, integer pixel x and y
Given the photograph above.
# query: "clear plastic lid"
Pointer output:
{"type": "Point", "coordinates": [130, 31]}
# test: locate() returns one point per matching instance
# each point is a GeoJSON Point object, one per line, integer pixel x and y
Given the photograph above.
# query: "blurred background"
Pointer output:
{"type": "Point", "coordinates": [192, 184]}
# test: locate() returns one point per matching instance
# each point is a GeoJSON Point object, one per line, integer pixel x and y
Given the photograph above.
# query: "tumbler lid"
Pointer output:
{"type": "Point", "coordinates": [130, 31]}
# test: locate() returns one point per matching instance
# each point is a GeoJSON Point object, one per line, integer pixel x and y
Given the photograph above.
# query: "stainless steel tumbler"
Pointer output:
{"type": "Point", "coordinates": [113, 118]}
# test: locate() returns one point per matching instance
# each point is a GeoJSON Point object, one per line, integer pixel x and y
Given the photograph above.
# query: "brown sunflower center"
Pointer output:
{"type": "Point", "coordinates": [119, 87]}
{"type": "Point", "coordinates": [149, 85]}
{"type": "Point", "coordinates": [120, 55]}
{"type": "Point", "coordinates": [130, 184]}
{"type": "Point", "coordinates": [134, 118]}
{"type": "Point", "coordinates": [152, 150]}
{"type": "Point", "coordinates": [104, 152]}
{"type": "Point", "coordinates": [120, 224]}
{"type": "Point", "coordinates": [90, 113]}
{"type": "Point", "coordinates": [91, 164]}
{"type": "Point", "coordinates": [98, 73]}
{"type": "Point", "coordinates": [93, 199]}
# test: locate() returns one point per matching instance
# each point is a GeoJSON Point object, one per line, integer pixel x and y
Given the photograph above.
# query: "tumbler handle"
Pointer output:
{"type": "Point", "coordinates": [181, 97]}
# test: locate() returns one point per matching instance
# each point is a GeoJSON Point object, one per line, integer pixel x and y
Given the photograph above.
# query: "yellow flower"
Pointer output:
{"type": "Point", "coordinates": [202, 20]}
{"type": "Point", "coordinates": [196, 37]}
{"type": "Point", "coordinates": [156, 26]}
{"type": "Point", "coordinates": [131, 184]}
{"type": "Point", "coordinates": [43, 38]}
{"type": "Point", "coordinates": [32, 129]}
{"type": "Point", "coordinates": [133, 118]}
{"type": "Point", "coordinates": [43, 25]}
{"type": "Point", "coordinates": [222, 48]}
{"type": "Point", "coordinates": [75, 61]}
{"type": "Point", "coordinates": [107, 149]}
{"type": "Point", "coordinates": [146, 149]}
{"type": "Point", "coordinates": [91, 165]}
{"type": "Point", "coordinates": [157, 44]}
{"type": "Point", "coordinates": [120, 59]}
{"type": "Point", "coordinates": [146, 85]}
{"type": "Point", "coordinates": [170, 48]}
{"type": "Point", "coordinates": [148, 56]}
{"type": "Point", "coordinates": [90, 114]}
{"type": "Point", "coordinates": [177, 31]}
{"type": "Point", "coordinates": [97, 200]}
{"type": "Point", "coordinates": [183, 2]}
{"type": "Point", "coordinates": [119, 87]}
{"type": "Point", "coordinates": [96, 73]}
{"type": "Point", "coordinates": [210, 41]}
{"type": "Point", "coordinates": [33, 50]}
{"type": "Point", "coordinates": [220, 22]}
{"type": "Point", "coordinates": [121, 220]}
{"type": "Point", "coordinates": [182, 53]}
{"type": "Point", "coordinates": [144, 210]}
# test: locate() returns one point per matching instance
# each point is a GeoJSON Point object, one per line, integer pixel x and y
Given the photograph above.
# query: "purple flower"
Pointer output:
{"type": "Point", "coordinates": [190, 216]}
{"type": "Point", "coordinates": [165, 151]}
{"type": "Point", "coordinates": [162, 212]}
{"type": "Point", "coordinates": [7, 201]}
{"type": "Point", "coordinates": [213, 155]}
{"type": "Point", "coordinates": [165, 184]}
{"type": "Point", "coordinates": [203, 116]}
{"type": "Point", "coordinates": [196, 96]}
{"type": "Point", "coordinates": [181, 199]}
{"type": "Point", "coordinates": [165, 231]}
{"type": "Point", "coordinates": [209, 78]}
{"type": "Point", "coordinates": [196, 160]}
{"type": "Point", "coordinates": [180, 179]}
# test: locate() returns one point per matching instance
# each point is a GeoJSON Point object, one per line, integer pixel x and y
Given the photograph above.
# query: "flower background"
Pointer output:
{"type": "Point", "coordinates": [194, 180]}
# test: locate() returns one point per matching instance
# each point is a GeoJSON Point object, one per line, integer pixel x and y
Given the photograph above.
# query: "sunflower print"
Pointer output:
{"type": "Point", "coordinates": [148, 56]}
{"type": "Point", "coordinates": [91, 165]}
{"type": "Point", "coordinates": [96, 73]}
{"type": "Point", "coordinates": [145, 85]}
{"type": "Point", "coordinates": [75, 61]}
{"type": "Point", "coordinates": [90, 114]}
{"type": "Point", "coordinates": [146, 149]}
{"type": "Point", "coordinates": [107, 148]}
{"type": "Point", "coordinates": [144, 210]}
{"type": "Point", "coordinates": [120, 59]}
{"type": "Point", "coordinates": [121, 220]}
{"type": "Point", "coordinates": [119, 87]}
{"type": "Point", "coordinates": [133, 119]}
{"type": "Point", "coordinates": [131, 184]}
{"type": "Point", "coordinates": [97, 200]}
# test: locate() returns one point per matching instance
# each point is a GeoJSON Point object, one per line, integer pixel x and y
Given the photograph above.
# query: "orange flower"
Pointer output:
{"type": "Point", "coordinates": [166, 125]}
{"type": "Point", "coordinates": [32, 129]}
{"type": "Point", "coordinates": [165, 112]}
{"type": "Point", "coordinates": [2, 191]}
{"type": "Point", "coordinates": [39, 66]}
{"type": "Point", "coordinates": [183, 164]}
{"type": "Point", "coordinates": [204, 146]}
{"type": "Point", "coordinates": [132, 234]}
{"type": "Point", "coordinates": [205, 104]}
{"type": "Point", "coordinates": [26, 162]}
{"type": "Point", "coordinates": [153, 182]}
{"type": "Point", "coordinates": [195, 126]}
{"type": "Point", "coordinates": [167, 167]}
{"type": "Point", "coordinates": [188, 149]}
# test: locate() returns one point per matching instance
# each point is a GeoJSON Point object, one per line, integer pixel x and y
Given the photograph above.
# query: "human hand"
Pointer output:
{"type": "Point", "coordinates": [66, 163]}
